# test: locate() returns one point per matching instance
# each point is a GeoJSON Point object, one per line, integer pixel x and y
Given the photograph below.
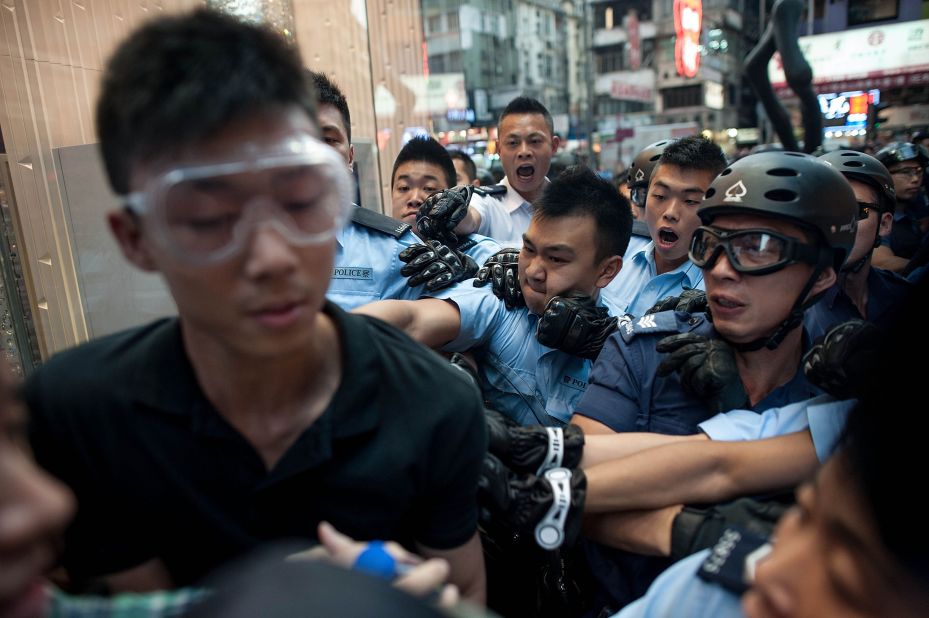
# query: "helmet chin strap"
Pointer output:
{"type": "Point", "coordinates": [857, 265]}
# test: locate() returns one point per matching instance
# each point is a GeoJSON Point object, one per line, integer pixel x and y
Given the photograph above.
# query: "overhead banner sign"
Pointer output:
{"type": "Point", "coordinates": [688, 23]}
{"type": "Point", "coordinates": [628, 85]}
{"type": "Point", "coordinates": [874, 57]}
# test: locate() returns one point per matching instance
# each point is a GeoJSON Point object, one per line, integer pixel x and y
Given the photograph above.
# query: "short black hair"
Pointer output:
{"type": "Point", "coordinates": [180, 79]}
{"type": "Point", "coordinates": [528, 105]}
{"type": "Point", "coordinates": [470, 167]}
{"type": "Point", "coordinates": [694, 153]}
{"type": "Point", "coordinates": [327, 93]}
{"type": "Point", "coordinates": [426, 149]}
{"type": "Point", "coordinates": [578, 191]}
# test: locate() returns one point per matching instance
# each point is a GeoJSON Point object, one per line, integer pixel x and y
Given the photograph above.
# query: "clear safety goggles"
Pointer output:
{"type": "Point", "coordinates": [207, 213]}
{"type": "Point", "coordinates": [752, 252]}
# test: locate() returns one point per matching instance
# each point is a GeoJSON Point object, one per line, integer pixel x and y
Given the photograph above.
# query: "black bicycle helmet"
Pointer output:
{"type": "Point", "coordinates": [898, 152]}
{"type": "Point", "coordinates": [789, 185]}
{"type": "Point", "coordinates": [640, 172]}
{"type": "Point", "coordinates": [865, 168]}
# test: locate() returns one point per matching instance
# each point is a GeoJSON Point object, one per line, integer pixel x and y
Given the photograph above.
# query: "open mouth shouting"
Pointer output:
{"type": "Point", "coordinates": [667, 238]}
{"type": "Point", "coordinates": [525, 172]}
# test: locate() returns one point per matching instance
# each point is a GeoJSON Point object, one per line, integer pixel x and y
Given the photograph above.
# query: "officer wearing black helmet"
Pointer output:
{"type": "Point", "coordinates": [906, 163]}
{"type": "Point", "coordinates": [862, 292]}
{"type": "Point", "coordinates": [777, 227]}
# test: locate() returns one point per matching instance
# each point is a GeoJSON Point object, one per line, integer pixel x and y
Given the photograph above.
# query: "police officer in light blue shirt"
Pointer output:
{"type": "Point", "coordinates": [683, 172]}
{"type": "Point", "coordinates": [572, 248]}
{"type": "Point", "coordinates": [368, 249]}
{"type": "Point", "coordinates": [639, 174]}
{"type": "Point", "coordinates": [368, 260]}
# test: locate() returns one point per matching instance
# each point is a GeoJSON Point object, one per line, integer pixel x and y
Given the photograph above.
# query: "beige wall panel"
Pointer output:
{"type": "Point", "coordinates": [396, 43]}
{"type": "Point", "coordinates": [333, 39]}
{"type": "Point", "coordinates": [47, 103]}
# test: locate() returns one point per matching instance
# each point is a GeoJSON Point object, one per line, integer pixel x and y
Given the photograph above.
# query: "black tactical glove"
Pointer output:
{"type": "Point", "coordinates": [533, 448]}
{"type": "Point", "coordinates": [501, 270]}
{"type": "Point", "coordinates": [842, 361]}
{"type": "Point", "coordinates": [574, 324]}
{"type": "Point", "coordinates": [690, 301]}
{"type": "Point", "coordinates": [435, 265]}
{"type": "Point", "coordinates": [695, 529]}
{"type": "Point", "coordinates": [522, 505]}
{"type": "Point", "coordinates": [707, 369]}
{"type": "Point", "coordinates": [459, 362]}
{"type": "Point", "coordinates": [441, 213]}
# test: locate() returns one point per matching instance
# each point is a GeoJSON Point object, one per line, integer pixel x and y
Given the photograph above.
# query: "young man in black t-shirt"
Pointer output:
{"type": "Point", "coordinates": [262, 409]}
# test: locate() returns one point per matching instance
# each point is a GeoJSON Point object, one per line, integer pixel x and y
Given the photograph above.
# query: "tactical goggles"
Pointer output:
{"type": "Point", "coordinates": [638, 193]}
{"type": "Point", "coordinates": [751, 252]}
{"type": "Point", "coordinates": [207, 213]}
{"type": "Point", "coordinates": [866, 208]}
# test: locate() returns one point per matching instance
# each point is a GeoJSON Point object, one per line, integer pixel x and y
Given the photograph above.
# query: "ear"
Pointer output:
{"type": "Point", "coordinates": [608, 269]}
{"type": "Point", "coordinates": [826, 280]}
{"type": "Point", "coordinates": [351, 155]}
{"type": "Point", "coordinates": [556, 142]}
{"type": "Point", "coordinates": [886, 223]}
{"type": "Point", "coordinates": [127, 230]}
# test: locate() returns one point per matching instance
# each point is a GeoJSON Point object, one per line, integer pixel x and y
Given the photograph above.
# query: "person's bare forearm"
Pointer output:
{"type": "Point", "coordinates": [467, 568]}
{"type": "Point", "coordinates": [599, 448]}
{"type": "Point", "coordinates": [708, 471]}
{"type": "Point", "coordinates": [641, 532]}
{"type": "Point", "coordinates": [429, 321]}
{"type": "Point", "coordinates": [470, 223]}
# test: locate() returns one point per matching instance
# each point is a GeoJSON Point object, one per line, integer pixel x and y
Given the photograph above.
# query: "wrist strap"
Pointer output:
{"type": "Point", "coordinates": [555, 453]}
{"type": "Point", "coordinates": [549, 533]}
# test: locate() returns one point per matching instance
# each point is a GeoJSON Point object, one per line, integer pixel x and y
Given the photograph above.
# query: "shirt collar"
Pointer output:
{"type": "Point", "coordinates": [646, 255]}
{"type": "Point", "coordinates": [165, 380]}
{"type": "Point", "coordinates": [513, 200]}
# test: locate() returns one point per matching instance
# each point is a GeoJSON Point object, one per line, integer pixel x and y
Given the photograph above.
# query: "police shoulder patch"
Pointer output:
{"type": "Point", "coordinates": [378, 222]}
{"type": "Point", "coordinates": [659, 323]}
{"type": "Point", "coordinates": [731, 563]}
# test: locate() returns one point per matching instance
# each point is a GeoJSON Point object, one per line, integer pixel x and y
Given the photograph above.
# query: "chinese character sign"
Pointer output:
{"type": "Point", "coordinates": [688, 21]}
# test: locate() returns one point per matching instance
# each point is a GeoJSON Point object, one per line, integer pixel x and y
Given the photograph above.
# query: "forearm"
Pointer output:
{"type": "Point", "coordinates": [692, 472]}
{"type": "Point", "coordinates": [641, 532]}
{"type": "Point", "coordinates": [467, 568]}
{"type": "Point", "coordinates": [599, 448]}
{"type": "Point", "coordinates": [429, 321]}
{"type": "Point", "coordinates": [470, 223]}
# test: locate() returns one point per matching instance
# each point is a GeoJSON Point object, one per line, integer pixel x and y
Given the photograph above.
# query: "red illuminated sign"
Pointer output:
{"type": "Point", "coordinates": [688, 22]}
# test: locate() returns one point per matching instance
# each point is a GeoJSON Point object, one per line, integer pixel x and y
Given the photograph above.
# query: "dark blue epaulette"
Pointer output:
{"type": "Point", "coordinates": [491, 190]}
{"type": "Point", "coordinates": [666, 322]}
{"type": "Point", "coordinates": [639, 228]}
{"type": "Point", "coordinates": [378, 222]}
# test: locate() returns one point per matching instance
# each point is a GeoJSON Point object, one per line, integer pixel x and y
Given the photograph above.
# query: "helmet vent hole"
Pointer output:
{"type": "Point", "coordinates": [795, 154]}
{"type": "Point", "coordinates": [726, 171]}
{"type": "Point", "coordinates": [781, 195]}
{"type": "Point", "coordinates": [854, 164]}
{"type": "Point", "coordinates": [782, 171]}
{"type": "Point", "coordinates": [710, 193]}
{"type": "Point", "coordinates": [655, 158]}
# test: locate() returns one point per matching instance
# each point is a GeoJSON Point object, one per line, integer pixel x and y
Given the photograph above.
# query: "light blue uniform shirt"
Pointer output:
{"type": "Point", "coordinates": [823, 415]}
{"type": "Point", "coordinates": [525, 380]}
{"type": "Point", "coordinates": [679, 593]}
{"type": "Point", "coordinates": [367, 265]}
{"type": "Point", "coordinates": [638, 286]}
